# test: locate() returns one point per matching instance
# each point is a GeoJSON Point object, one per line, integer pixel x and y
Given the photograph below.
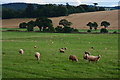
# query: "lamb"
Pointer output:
{"type": "Point", "coordinates": [73, 58]}
{"type": "Point", "coordinates": [37, 55]}
{"type": "Point", "coordinates": [21, 51]}
{"type": "Point", "coordinates": [93, 58]}
{"type": "Point", "coordinates": [35, 46]}
{"type": "Point", "coordinates": [62, 51]}
{"type": "Point", "coordinates": [85, 55]}
{"type": "Point", "coordinates": [65, 48]}
{"type": "Point", "coordinates": [92, 47]}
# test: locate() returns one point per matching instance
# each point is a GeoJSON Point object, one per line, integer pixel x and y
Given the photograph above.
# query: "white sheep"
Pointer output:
{"type": "Point", "coordinates": [35, 46]}
{"type": "Point", "coordinates": [93, 58]}
{"type": "Point", "coordinates": [37, 55]}
{"type": "Point", "coordinates": [62, 51]}
{"type": "Point", "coordinates": [21, 51]}
{"type": "Point", "coordinates": [73, 58]}
{"type": "Point", "coordinates": [85, 55]}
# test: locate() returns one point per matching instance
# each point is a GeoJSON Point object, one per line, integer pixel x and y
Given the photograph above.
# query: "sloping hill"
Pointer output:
{"type": "Point", "coordinates": [79, 20]}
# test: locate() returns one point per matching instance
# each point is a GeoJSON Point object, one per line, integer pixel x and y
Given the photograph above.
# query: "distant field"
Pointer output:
{"type": "Point", "coordinates": [54, 64]}
{"type": "Point", "coordinates": [79, 20]}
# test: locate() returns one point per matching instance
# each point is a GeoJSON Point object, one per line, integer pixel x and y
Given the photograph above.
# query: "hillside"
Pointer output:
{"type": "Point", "coordinates": [79, 20]}
{"type": "Point", "coordinates": [17, 6]}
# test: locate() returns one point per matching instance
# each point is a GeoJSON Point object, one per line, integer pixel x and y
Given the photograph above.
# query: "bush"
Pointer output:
{"type": "Point", "coordinates": [29, 28]}
{"type": "Point", "coordinates": [88, 30]}
{"type": "Point", "coordinates": [67, 29]}
{"type": "Point", "coordinates": [115, 32]}
{"type": "Point", "coordinates": [104, 30]}
{"type": "Point", "coordinates": [59, 29]}
{"type": "Point", "coordinates": [22, 25]}
{"type": "Point", "coordinates": [75, 30]}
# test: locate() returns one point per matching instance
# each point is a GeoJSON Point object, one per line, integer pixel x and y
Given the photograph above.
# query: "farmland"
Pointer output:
{"type": "Point", "coordinates": [54, 64]}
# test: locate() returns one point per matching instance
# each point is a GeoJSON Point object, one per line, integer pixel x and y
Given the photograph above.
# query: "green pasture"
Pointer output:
{"type": "Point", "coordinates": [54, 64]}
{"type": "Point", "coordinates": [80, 30]}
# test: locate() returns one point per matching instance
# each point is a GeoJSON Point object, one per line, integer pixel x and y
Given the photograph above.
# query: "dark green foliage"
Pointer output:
{"type": "Point", "coordinates": [88, 30]}
{"type": "Point", "coordinates": [64, 22]}
{"type": "Point", "coordinates": [104, 30]}
{"type": "Point", "coordinates": [22, 25]}
{"type": "Point", "coordinates": [30, 25]}
{"type": "Point", "coordinates": [115, 32]}
{"type": "Point", "coordinates": [48, 10]}
{"type": "Point", "coordinates": [75, 30]}
{"type": "Point", "coordinates": [8, 13]}
{"type": "Point", "coordinates": [105, 24]}
{"type": "Point", "coordinates": [90, 24]}
{"type": "Point", "coordinates": [79, 9]}
{"type": "Point", "coordinates": [30, 11]}
{"type": "Point", "coordinates": [85, 7]}
{"type": "Point", "coordinates": [59, 29]}
{"type": "Point", "coordinates": [67, 29]}
{"type": "Point", "coordinates": [95, 25]}
{"type": "Point", "coordinates": [101, 9]}
{"type": "Point", "coordinates": [43, 23]}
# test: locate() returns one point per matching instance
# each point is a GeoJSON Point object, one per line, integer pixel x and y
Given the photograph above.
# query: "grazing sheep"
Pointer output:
{"type": "Point", "coordinates": [35, 46]}
{"type": "Point", "coordinates": [37, 55]}
{"type": "Point", "coordinates": [73, 58]}
{"type": "Point", "coordinates": [65, 48]}
{"type": "Point", "coordinates": [21, 51]}
{"type": "Point", "coordinates": [92, 47]}
{"type": "Point", "coordinates": [86, 52]}
{"type": "Point", "coordinates": [93, 58]}
{"type": "Point", "coordinates": [105, 48]}
{"type": "Point", "coordinates": [62, 51]}
{"type": "Point", "coordinates": [85, 55]}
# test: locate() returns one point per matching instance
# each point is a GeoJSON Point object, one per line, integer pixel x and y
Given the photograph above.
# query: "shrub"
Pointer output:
{"type": "Point", "coordinates": [29, 28]}
{"type": "Point", "coordinates": [67, 29]}
{"type": "Point", "coordinates": [88, 30]}
{"type": "Point", "coordinates": [22, 25]}
{"type": "Point", "coordinates": [115, 32]}
{"type": "Point", "coordinates": [104, 30]}
{"type": "Point", "coordinates": [59, 29]}
{"type": "Point", "coordinates": [75, 30]}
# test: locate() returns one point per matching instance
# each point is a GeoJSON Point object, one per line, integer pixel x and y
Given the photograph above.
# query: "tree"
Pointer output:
{"type": "Point", "coordinates": [65, 23]}
{"type": "Point", "coordinates": [105, 24]}
{"type": "Point", "coordinates": [95, 4]}
{"type": "Point", "coordinates": [30, 11]}
{"type": "Point", "coordinates": [43, 23]}
{"type": "Point", "coordinates": [103, 30]}
{"type": "Point", "coordinates": [95, 25]}
{"type": "Point", "coordinates": [90, 24]}
{"type": "Point", "coordinates": [85, 7]}
{"type": "Point", "coordinates": [79, 9]}
{"type": "Point", "coordinates": [59, 29]}
{"type": "Point", "coordinates": [30, 25]}
{"type": "Point", "coordinates": [101, 9]}
{"type": "Point", "coordinates": [22, 25]}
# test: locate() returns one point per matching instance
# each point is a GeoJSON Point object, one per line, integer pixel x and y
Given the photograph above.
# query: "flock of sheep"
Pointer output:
{"type": "Point", "coordinates": [86, 56]}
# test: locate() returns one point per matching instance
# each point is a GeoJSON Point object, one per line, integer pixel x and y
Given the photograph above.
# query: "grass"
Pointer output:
{"type": "Point", "coordinates": [80, 30]}
{"type": "Point", "coordinates": [54, 64]}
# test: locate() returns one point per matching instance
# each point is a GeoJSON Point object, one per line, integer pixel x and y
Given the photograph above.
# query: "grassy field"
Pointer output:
{"type": "Point", "coordinates": [54, 64]}
{"type": "Point", "coordinates": [80, 30]}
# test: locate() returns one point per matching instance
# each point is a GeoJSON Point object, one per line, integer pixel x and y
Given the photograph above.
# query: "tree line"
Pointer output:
{"type": "Point", "coordinates": [45, 25]}
{"type": "Point", "coordinates": [48, 10]}
{"type": "Point", "coordinates": [95, 26]}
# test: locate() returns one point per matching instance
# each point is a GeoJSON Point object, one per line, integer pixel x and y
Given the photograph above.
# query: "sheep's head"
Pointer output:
{"type": "Point", "coordinates": [99, 56]}
{"type": "Point", "coordinates": [76, 60]}
{"type": "Point", "coordinates": [86, 52]}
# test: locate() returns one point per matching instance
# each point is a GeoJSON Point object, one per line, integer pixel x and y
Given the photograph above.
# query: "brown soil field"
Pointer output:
{"type": "Point", "coordinates": [79, 20]}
